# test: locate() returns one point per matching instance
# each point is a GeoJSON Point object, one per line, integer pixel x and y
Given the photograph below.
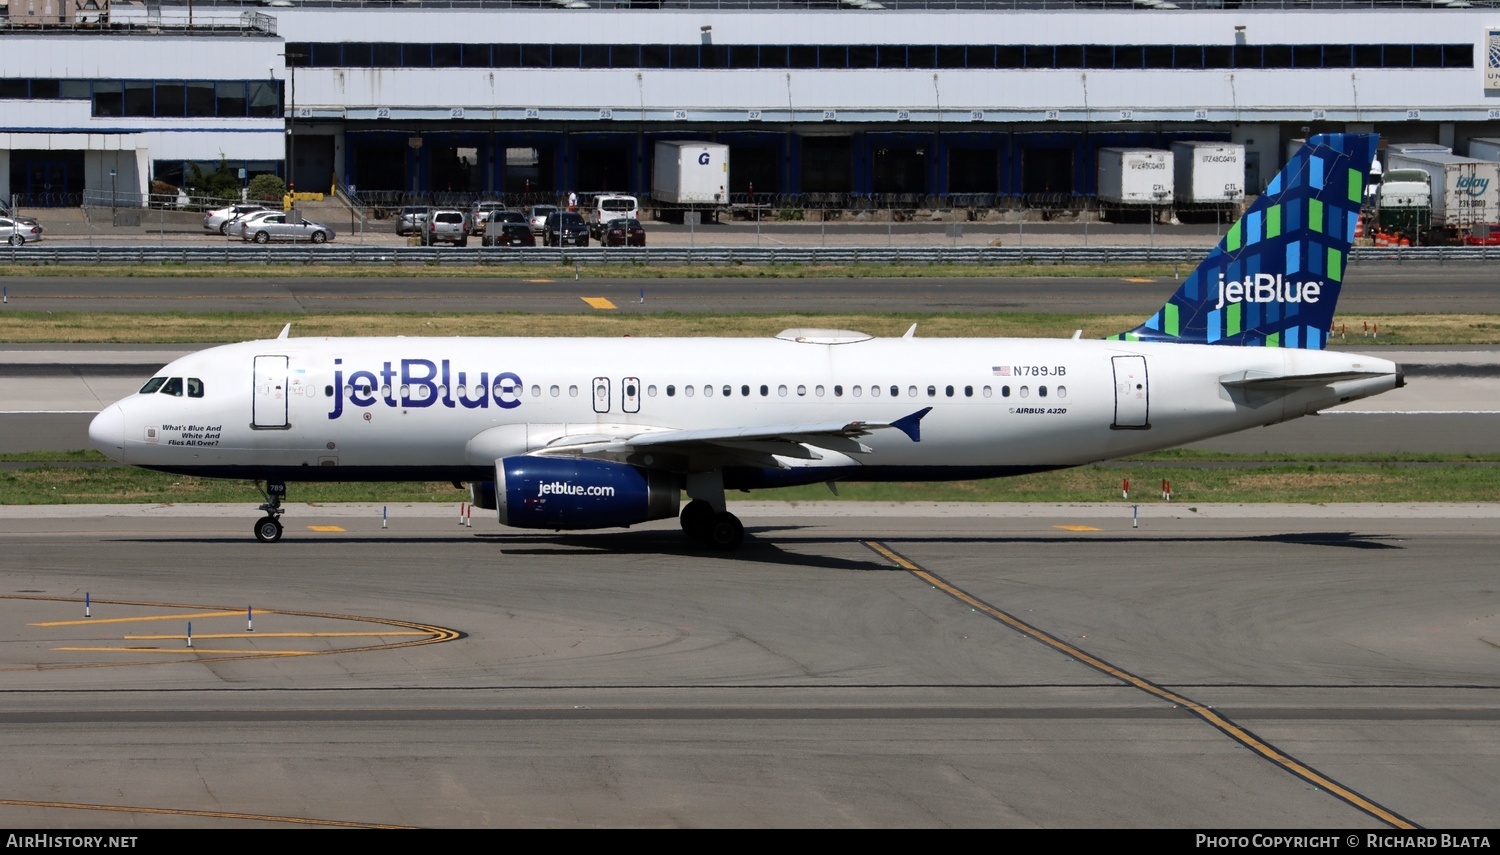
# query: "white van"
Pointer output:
{"type": "Point", "coordinates": [608, 207]}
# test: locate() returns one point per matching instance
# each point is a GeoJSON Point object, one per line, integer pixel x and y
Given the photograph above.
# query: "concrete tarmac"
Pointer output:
{"type": "Point", "coordinates": [870, 666]}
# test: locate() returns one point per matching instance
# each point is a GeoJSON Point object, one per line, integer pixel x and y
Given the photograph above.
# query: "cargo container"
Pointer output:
{"type": "Point", "coordinates": [1208, 179]}
{"type": "Point", "coordinates": [1134, 179]}
{"type": "Point", "coordinates": [1485, 148]}
{"type": "Point", "coordinates": [690, 177]}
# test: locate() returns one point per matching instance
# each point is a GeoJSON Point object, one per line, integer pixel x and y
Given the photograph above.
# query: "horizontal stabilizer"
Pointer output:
{"type": "Point", "coordinates": [1262, 380]}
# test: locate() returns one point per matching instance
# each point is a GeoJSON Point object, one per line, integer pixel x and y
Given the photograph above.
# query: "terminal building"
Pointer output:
{"type": "Point", "coordinates": [922, 99]}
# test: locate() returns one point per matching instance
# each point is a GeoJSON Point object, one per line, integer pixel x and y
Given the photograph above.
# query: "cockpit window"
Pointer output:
{"type": "Point", "coordinates": [172, 387]}
{"type": "Point", "coordinates": [152, 385]}
{"type": "Point", "coordinates": [194, 387]}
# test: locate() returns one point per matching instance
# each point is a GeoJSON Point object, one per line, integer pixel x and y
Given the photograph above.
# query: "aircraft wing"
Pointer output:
{"type": "Point", "coordinates": [754, 445]}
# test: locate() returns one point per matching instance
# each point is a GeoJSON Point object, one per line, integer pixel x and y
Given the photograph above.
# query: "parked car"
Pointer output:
{"type": "Point", "coordinates": [623, 231]}
{"type": "Point", "coordinates": [538, 215]}
{"type": "Point", "coordinates": [8, 214]}
{"type": "Point", "coordinates": [220, 220]}
{"type": "Point", "coordinates": [610, 206]}
{"type": "Point", "coordinates": [446, 226]}
{"type": "Point", "coordinates": [278, 226]}
{"type": "Point", "coordinates": [509, 233]}
{"type": "Point", "coordinates": [479, 215]}
{"type": "Point", "coordinates": [412, 220]}
{"type": "Point", "coordinates": [238, 224]}
{"type": "Point", "coordinates": [565, 228]}
{"type": "Point", "coordinates": [17, 232]}
{"type": "Point", "coordinates": [495, 218]}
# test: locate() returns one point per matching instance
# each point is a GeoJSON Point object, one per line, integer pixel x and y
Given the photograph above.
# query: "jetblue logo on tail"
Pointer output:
{"type": "Point", "coordinates": [1265, 288]}
{"type": "Point", "coordinates": [1274, 280]}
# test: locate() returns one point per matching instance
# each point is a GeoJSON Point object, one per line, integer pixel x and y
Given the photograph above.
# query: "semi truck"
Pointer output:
{"type": "Point", "coordinates": [1465, 191]}
{"type": "Point", "coordinates": [1134, 180]}
{"type": "Point", "coordinates": [1209, 179]}
{"type": "Point", "coordinates": [1404, 201]}
{"type": "Point", "coordinates": [689, 179]}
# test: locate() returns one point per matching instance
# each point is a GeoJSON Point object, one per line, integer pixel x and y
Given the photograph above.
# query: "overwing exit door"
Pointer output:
{"type": "Point", "coordinates": [630, 394]}
{"type": "Point", "coordinates": [601, 394]}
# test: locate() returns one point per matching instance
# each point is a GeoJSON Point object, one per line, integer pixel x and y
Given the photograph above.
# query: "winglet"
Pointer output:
{"type": "Point", "coordinates": [286, 332]}
{"type": "Point", "coordinates": [912, 425]}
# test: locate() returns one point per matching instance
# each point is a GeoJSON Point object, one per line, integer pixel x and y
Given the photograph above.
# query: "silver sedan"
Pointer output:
{"type": "Point", "coordinates": [275, 226]}
{"type": "Point", "coordinates": [17, 231]}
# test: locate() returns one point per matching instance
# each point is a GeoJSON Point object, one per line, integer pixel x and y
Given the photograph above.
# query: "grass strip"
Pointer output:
{"type": "Point", "coordinates": [221, 327]}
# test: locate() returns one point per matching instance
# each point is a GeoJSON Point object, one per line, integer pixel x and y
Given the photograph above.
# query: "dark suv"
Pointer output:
{"type": "Point", "coordinates": [565, 228]}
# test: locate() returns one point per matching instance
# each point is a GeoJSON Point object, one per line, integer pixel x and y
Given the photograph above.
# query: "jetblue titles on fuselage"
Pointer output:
{"type": "Point", "coordinates": [422, 383]}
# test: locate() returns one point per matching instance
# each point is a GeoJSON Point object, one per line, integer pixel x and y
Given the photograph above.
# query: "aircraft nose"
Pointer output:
{"type": "Point", "coordinates": [107, 432]}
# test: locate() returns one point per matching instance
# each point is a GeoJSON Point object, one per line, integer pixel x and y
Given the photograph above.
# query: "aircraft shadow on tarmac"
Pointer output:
{"type": "Point", "coordinates": [760, 549]}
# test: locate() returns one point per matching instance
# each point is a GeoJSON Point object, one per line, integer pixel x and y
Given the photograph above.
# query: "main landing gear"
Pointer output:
{"type": "Point", "coordinates": [719, 529]}
{"type": "Point", "coordinates": [268, 527]}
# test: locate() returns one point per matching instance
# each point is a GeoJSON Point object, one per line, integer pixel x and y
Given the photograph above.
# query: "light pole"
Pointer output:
{"type": "Point", "coordinates": [290, 59]}
{"type": "Point", "coordinates": [112, 196]}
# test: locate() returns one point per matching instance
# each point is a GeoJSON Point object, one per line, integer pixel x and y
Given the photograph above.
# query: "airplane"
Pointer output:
{"type": "Point", "coordinates": [589, 433]}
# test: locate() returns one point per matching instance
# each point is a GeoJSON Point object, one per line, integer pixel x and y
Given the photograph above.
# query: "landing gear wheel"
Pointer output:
{"type": "Point", "coordinates": [268, 530]}
{"type": "Point", "coordinates": [268, 527]}
{"type": "Point", "coordinates": [696, 518]}
{"type": "Point", "coordinates": [726, 533]}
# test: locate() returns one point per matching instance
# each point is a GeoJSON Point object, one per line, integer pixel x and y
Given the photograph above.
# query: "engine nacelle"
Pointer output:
{"type": "Point", "coordinates": [572, 493]}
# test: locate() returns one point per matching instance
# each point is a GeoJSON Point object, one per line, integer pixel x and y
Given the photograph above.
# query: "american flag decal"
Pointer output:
{"type": "Point", "coordinates": [1002, 370]}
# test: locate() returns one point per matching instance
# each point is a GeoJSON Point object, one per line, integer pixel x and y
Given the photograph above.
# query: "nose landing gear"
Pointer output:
{"type": "Point", "coordinates": [268, 528]}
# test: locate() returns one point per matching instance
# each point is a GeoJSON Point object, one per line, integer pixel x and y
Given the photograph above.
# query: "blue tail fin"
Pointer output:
{"type": "Point", "coordinates": [1274, 279]}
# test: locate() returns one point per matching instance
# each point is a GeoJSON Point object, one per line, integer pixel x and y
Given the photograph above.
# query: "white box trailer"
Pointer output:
{"type": "Point", "coordinates": [1465, 191]}
{"type": "Point", "coordinates": [1209, 176]}
{"type": "Point", "coordinates": [1485, 148]}
{"type": "Point", "coordinates": [1134, 179]}
{"type": "Point", "coordinates": [689, 175]}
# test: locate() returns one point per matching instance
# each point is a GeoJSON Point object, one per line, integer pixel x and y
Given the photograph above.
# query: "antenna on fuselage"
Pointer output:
{"type": "Point", "coordinates": [286, 332]}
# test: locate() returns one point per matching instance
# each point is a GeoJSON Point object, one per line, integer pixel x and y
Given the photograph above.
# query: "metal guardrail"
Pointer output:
{"type": "Point", "coordinates": [326, 254]}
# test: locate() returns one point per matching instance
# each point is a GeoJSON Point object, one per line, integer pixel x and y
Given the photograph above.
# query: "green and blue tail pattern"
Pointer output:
{"type": "Point", "coordinates": [1274, 280]}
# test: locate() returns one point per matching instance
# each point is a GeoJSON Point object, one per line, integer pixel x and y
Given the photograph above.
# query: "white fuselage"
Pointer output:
{"type": "Point", "coordinates": [447, 408]}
